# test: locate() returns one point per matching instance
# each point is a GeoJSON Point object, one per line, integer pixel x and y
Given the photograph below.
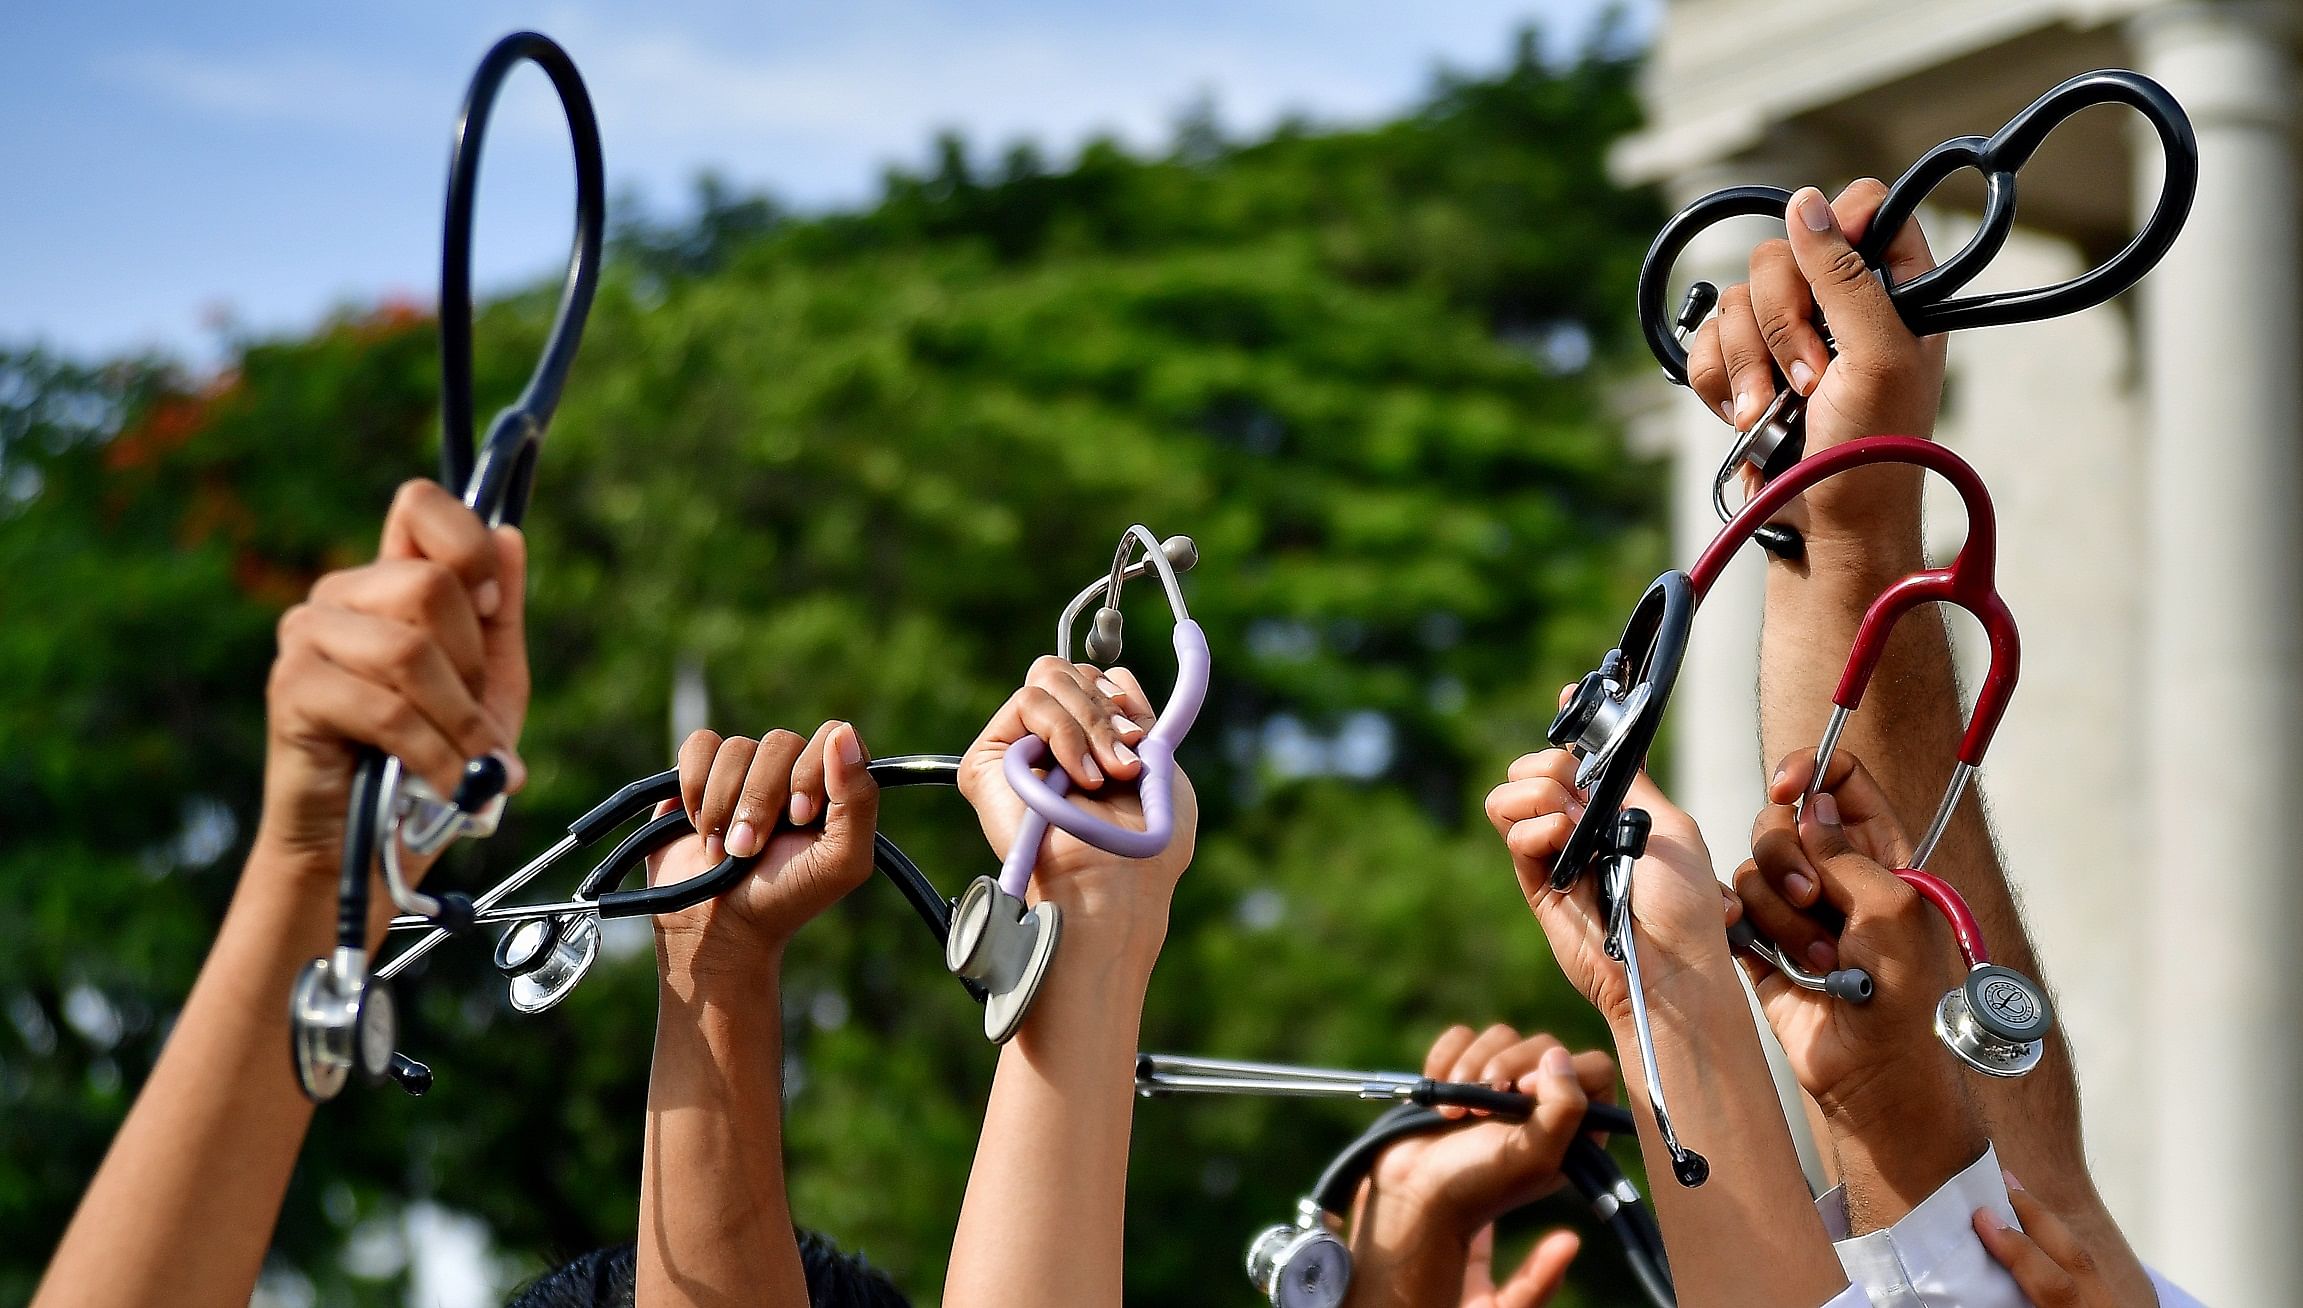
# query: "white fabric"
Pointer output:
{"type": "Point", "coordinates": [1932, 1258]}
{"type": "Point", "coordinates": [2171, 1295]}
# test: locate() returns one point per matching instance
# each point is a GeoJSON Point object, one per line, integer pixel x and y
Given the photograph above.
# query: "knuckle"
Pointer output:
{"type": "Point", "coordinates": [404, 649]}
{"type": "Point", "coordinates": [1846, 267]}
{"type": "Point", "coordinates": [1780, 330]}
{"type": "Point", "coordinates": [294, 624]}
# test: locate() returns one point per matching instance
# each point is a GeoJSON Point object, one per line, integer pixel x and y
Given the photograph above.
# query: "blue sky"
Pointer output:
{"type": "Point", "coordinates": [167, 166]}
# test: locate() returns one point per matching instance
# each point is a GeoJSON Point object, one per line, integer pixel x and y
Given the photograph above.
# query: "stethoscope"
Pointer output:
{"type": "Point", "coordinates": [1777, 439]}
{"type": "Point", "coordinates": [342, 1018]}
{"type": "Point", "coordinates": [996, 940]}
{"type": "Point", "coordinates": [1997, 1019]}
{"type": "Point", "coordinates": [547, 948]}
{"type": "Point", "coordinates": [1305, 1263]}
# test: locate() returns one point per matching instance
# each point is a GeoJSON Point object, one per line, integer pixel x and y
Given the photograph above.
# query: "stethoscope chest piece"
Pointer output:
{"type": "Point", "coordinates": [340, 1027]}
{"type": "Point", "coordinates": [1996, 1021]}
{"type": "Point", "coordinates": [1301, 1266]}
{"type": "Point", "coordinates": [1004, 946]}
{"type": "Point", "coordinates": [546, 957]}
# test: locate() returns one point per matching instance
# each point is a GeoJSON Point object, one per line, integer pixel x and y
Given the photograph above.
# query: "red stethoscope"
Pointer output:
{"type": "Point", "coordinates": [1997, 1019]}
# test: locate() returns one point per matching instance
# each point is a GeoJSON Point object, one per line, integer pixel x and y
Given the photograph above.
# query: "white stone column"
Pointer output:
{"type": "Point", "coordinates": [1714, 722]}
{"type": "Point", "coordinates": [2222, 342]}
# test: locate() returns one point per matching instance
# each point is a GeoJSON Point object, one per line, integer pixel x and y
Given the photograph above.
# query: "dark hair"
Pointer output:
{"type": "Point", "coordinates": [603, 1279]}
{"type": "Point", "coordinates": [600, 1279]}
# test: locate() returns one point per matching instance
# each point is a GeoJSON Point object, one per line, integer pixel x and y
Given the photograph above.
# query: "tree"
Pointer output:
{"type": "Point", "coordinates": [852, 465]}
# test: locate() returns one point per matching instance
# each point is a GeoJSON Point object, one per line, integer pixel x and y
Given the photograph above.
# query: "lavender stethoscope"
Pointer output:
{"type": "Point", "coordinates": [997, 940]}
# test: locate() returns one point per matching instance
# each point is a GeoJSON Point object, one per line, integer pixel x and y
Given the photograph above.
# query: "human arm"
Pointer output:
{"type": "Point", "coordinates": [1862, 531]}
{"type": "Point", "coordinates": [1748, 1234]}
{"type": "Point", "coordinates": [421, 654]}
{"type": "Point", "coordinates": [1896, 1106]}
{"type": "Point", "coordinates": [1043, 1219]}
{"type": "Point", "coordinates": [715, 1216]}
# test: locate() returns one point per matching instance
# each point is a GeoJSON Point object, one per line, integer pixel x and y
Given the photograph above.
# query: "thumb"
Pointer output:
{"type": "Point", "coordinates": [852, 806]}
{"type": "Point", "coordinates": [1864, 324]}
{"type": "Point", "coordinates": [1531, 1158]}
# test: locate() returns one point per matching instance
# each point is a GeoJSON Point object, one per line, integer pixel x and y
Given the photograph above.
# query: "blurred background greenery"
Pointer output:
{"type": "Point", "coordinates": [851, 465]}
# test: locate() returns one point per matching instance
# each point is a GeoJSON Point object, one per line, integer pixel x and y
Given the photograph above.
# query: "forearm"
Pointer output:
{"type": "Point", "coordinates": [1749, 1234]}
{"type": "Point", "coordinates": [183, 1207]}
{"type": "Point", "coordinates": [1043, 1220]}
{"type": "Point", "coordinates": [1899, 1136]}
{"type": "Point", "coordinates": [715, 1220]}
{"type": "Point", "coordinates": [1907, 733]}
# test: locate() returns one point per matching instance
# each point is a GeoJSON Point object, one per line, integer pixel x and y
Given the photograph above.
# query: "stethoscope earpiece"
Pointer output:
{"type": "Point", "coordinates": [1005, 947]}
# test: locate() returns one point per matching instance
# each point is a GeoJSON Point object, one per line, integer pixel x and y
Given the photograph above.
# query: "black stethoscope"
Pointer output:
{"type": "Point", "coordinates": [1998, 1019]}
{"type": "Point", "coordinates": [547, 948]}
{"type": "Point", "coordinates": [1305, 1263]}
{"type": "Point", "coordinates": [1778, 438]}
{"type": "Point", "coordinates": [342, 1019]}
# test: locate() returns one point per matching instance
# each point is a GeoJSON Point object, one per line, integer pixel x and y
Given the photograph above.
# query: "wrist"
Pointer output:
{"type": "Point", "coordinates": [1123, 921]}
{"type": "Point", "coordinates": [1901, 1130]}
{"type": "Point", "coordinates": [695, 962]}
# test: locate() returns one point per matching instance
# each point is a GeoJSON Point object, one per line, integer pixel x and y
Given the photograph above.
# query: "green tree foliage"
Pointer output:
{"type": "Point", "coordinates": [852, 465]}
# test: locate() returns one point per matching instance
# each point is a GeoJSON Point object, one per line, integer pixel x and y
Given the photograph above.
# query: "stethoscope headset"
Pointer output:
{"type": "Point", "coordinates": [1997, 1019]}
{"type": "Point", "coordinates": [1306, 1263]}
{"type": "Point", "coordinates": [343, 1019]}
{"type": "Point", "coordinates": [1777, 439]}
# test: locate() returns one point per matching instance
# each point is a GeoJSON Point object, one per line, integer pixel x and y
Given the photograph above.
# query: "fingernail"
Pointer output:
{"type": "Point", "coordinates": [1575, 808]}
{"type": "Point", "coordinates": [803, 809]}
{"type": "Point", "coordinates": [1109, 687]}
{"type": "Point", "coordinates": [1802, 376]}
{"type": "Point", "coordinates": [1994, 1220]}
{"type": "Point", "coordinates": [1742, 407]}
{"type": "Point", "coordinates": [1125, 726]}
{"type": "Point", "coordinates": [515, 771]}
{"type": "Point", "coordinates": [1095, 774]}
{"type": "Point", "coordinates": [487, 597]}
{"type": "Point", "coordinates": [1727, 411]}
{"type": "Point", "coordinates": [1799, 888]}
{"type": "Point", "coordinates": [1777, 779]}
{"type": "Point", "coordinates": [1814, 210]}
{"type": "Point", "coordinates": [1121, 752]}
{"type": "Point", "coordinates": [1825, 808]}
{"type": "Point", "coordinates": [2009, 1177]}
{"type": "Point", "coordinates": [851, 746]}
{"type": "Point", "coordinates": [715, 848]}
{"type": "Point", "coordinates": [743, 840]}
{"type": "Point", "coordinates": [1556, 1063]}
{"type": "Point", "coordinates": [1823, 956]}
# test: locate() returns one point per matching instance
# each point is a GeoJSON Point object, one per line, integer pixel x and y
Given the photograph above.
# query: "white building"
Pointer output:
{"type": "Point", "coordinates": [2145, 461]}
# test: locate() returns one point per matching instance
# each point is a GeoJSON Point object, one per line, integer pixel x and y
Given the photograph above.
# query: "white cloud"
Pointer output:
{"type": "Point", "coordinates": [266, 87]}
